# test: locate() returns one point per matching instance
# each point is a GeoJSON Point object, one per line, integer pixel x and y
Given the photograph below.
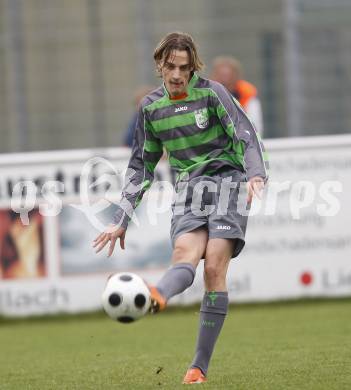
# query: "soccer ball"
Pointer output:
{"type": "Point", "coordinates": [126, 297]}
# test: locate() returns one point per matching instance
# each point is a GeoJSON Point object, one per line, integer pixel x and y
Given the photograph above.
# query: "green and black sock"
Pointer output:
{"type": "Point", "coordinates": [212, 314]}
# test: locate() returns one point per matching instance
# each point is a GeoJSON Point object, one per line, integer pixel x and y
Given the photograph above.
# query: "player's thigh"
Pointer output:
{"type": "Point", "coordinates": [190, 247]}
{"type": "Point", "coordinates": [229, 220]}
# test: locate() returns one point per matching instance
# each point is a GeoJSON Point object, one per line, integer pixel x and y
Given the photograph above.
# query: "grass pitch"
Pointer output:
{"type": "Point", "coordinates": [299, 345]}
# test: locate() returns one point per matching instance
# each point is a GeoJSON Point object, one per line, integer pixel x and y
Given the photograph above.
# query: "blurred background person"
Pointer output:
{"type": "Point", "coordinates": [227, 70]}
{"type": "Point", "coordinates": [138, 96]}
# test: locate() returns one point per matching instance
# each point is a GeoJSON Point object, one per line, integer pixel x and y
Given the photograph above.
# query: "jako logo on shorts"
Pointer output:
{"type": "Point", "coordinates": [223, 227]}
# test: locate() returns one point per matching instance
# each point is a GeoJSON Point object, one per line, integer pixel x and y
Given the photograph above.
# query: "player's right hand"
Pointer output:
{"type": "Point", "coordinates": [111, 234]}
{"type": "Point", "coordinates": [254, 187]}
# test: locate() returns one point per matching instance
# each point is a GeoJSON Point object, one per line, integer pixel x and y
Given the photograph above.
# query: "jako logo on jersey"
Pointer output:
{"type": "Point", "coordinates": [178, 109]}
{"type": "Point", "coordinates": [223, 227]}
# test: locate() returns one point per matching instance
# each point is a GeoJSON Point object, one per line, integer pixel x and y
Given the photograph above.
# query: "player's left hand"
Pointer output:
{"type": "Point", "coordinates": [111, 234]}
{"type": "Point", "coordinates": [254, 187]}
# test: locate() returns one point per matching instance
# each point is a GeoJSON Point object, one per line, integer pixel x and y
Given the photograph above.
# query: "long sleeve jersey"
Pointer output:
{"type": "Point", "coordinates": [204, 132]}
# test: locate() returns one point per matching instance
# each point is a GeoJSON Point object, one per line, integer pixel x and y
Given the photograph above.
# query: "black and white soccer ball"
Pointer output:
{"type": "Point", "coordinates": [126, 297]}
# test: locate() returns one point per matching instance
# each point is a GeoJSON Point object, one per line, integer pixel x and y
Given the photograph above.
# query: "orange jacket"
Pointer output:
{"type": "Point", "coordinates": [244, 91]}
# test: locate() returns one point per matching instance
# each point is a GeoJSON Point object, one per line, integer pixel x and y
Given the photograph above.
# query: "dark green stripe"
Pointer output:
{"type": "Point", "coordinates": [152, 146]}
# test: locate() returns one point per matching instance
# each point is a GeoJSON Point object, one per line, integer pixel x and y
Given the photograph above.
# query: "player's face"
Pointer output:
{"type": "Point", "coordinates": [176, 72]}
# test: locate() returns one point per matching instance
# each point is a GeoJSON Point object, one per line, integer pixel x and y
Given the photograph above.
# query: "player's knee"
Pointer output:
{"type": "Point", "coordinates": [215, 258]}
{"type": "Point", "coordinates": [183, 253]}
{"type": "Point", "coordinates": [215, 266]}
{"type": "Point", "coordinates": [212, 272]}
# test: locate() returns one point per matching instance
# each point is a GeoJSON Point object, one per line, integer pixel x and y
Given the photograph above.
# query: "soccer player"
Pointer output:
{"type": "Point", "coordinates": [210, 142]}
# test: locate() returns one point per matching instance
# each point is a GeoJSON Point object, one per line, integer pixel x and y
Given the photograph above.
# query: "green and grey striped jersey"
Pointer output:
{"type": "Point", "coordinates": [202, 133]}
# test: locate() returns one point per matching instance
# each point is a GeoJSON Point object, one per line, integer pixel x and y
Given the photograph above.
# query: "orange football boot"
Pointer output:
{"type": "Point", "coordinates": [194, 375]}
{"type": "Point", "coordinates": [158, 301]}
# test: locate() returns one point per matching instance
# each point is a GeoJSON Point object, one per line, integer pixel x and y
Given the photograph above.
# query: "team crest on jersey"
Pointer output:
{"type": "Point", "coordinates": [202, 118]}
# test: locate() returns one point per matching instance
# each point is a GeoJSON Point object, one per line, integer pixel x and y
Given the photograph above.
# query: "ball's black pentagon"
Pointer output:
{"type": "Point", "coordinates": [140, 300]}
{"type": "Point", "coordinates": [125, 278]}
{"type": "Point", "coordinates": [115, 299]}
{"type": "Point", "coordinates": [125, 319]}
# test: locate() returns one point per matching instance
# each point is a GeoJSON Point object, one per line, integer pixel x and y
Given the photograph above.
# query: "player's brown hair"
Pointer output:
{"type": "Point", "coordinates": [177, 41]}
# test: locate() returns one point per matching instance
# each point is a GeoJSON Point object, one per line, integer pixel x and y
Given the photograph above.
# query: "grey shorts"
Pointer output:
{"type": "Point", "coordinates": [212, 202]}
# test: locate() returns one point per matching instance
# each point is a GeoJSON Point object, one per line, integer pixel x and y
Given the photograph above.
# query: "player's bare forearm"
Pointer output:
{"type": "Point", "coordinates": [111, 234]}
